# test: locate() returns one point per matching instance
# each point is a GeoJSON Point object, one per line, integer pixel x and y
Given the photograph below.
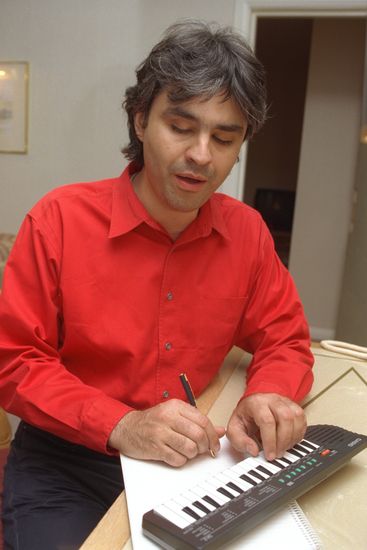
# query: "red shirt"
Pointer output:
{"type": "Point", "coordinates": [100, 311]}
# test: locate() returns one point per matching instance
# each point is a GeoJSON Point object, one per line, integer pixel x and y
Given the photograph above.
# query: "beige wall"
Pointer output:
{"type": "Point", "coordinates": [82, 55]}
{"type": "Point", "coordinates": [327, 166]}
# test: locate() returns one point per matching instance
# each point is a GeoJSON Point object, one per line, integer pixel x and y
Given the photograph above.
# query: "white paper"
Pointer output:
{"type": "Point", "coordinates": [149, 483]}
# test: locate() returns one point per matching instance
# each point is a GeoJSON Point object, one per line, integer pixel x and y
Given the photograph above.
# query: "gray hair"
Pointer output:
{"type": "Point", "coordinates": [197, 59]}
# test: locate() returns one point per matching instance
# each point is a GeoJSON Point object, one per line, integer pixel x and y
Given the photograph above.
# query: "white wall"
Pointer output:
{"type": "Point", "coordinates": [327, 168]}
{"type": "Point", "coordinates": [82, 55]}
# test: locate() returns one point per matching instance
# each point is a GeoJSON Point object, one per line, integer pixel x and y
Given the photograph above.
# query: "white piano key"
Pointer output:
{"type": "Point", "coordinates": [271, 467]}
{"type": "Point", "coordinates": [178, 520]}
{"type": "Point", "coordinates": [203, 490]}
{"type": "Point", "coordinates": [254, 464]}
{"type": "Point", "coordinates": [313, 445]}
{"type": "Point", "coordinates": [306, 449]}
{"type": "Point", "coordinates": [218, 497]}
{"type": "Point", "coordinates": [238, 481]}
{"type": "Point", "coordinates": [186, 502]}
{"type": "Point", "coordinates": [242, 470]}
{"type": "Point", "coordinates": [290, 457]}
{"type": "Point", "coordinates": [225, 478]}
{"type": "Point", "coordinates": [193, 497]}
{"type": "Point", "coordinates": [218, 482]}
{"type": "Point", "coordinates": [300, 450]}
{"type": "Point", "coordinates": [178, 509]}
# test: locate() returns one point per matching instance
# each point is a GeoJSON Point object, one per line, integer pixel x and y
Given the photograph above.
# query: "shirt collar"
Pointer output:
{"type": "Point", "coordinates": [128, 212]}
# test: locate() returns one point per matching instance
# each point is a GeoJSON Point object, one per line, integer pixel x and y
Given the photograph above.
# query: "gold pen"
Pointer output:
{"type": "Point", "coordinates": [190, 396]}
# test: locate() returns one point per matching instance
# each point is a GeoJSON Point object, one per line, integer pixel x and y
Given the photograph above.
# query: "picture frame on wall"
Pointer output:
{"type": "Point", "coordinates": [14, 82]}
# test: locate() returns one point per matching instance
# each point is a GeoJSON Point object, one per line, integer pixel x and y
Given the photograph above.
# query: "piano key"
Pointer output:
{"type": "Point", "coordinates": [198, 501]}
{"type": "Point", "coordinates": [202, 507]}
{"type": "Point", "coordinates": [191, 512]}
{"type": "Point", "coordinates": [301, 449]}
{"type": "Point", "coordinates": [267, 464]}
{"type": "Point", "coordinates": [211, 501]}
{"type": "Point", "coordinates": [235, 487]}
{"type": "Point", "coordinates": [178, 509]}
{"type": "Point", "coordinates": [244, 485]}
{"type": "Point", "coordinates": [243, 467]}
{"type": "Point", "coordinates": [186, 503]}
{"type": "Point", "coordinates": [224, 491]}
{"type": "Point", "coordinates": [248, 472]}
{"type": "Point", "coordinates": [224, 477]}
{"type": "Point", "coordinates": [252, 463]}
{"type": "Point", "coordinates": [204, 493]}
{"type": "Point", "coordinates": [285, 461]}
{"type": "Point", "coordinates": [181, 522]}
{"type": "Point", "coordinates": [249, 480]}
{"type": "Point", "coordinates": [220, 485]}
{"type": "Point", "coordinates": [310, 444]}
{"type": "Point", "coordinates": [290, 457]}
{"type": "Point", "coordinates": [210, 490]}
{"type": "Point", "coordinates": [258, 475]}
{"type": "Point", "coordinates": [278, 463]}
{"type": "Point", "coordinates": [295, 453]}
{"type": "Point", "coordinates": [265, 470]}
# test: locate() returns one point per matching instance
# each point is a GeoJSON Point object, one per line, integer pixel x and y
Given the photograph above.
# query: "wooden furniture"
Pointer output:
{"type": "Point", "coordinates": [337, 508]}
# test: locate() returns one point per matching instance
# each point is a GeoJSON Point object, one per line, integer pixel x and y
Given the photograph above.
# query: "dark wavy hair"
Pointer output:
{"type": "Point", "coordinates": [197, 59]}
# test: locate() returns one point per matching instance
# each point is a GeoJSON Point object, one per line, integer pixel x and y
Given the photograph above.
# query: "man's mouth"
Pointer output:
{"type": "Point", "coordinates": [191, 179]}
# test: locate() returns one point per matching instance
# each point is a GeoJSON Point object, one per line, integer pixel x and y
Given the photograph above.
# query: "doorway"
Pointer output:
{"type": "Point", "coordinates": [284, 45]}
{"type": "Point", "coordinates": [306, 165]}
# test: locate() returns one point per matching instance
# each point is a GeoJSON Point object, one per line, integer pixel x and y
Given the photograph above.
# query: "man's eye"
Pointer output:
{"type": "Point", "coordinates": [179, 130]}
{"type": "Point", "coordinates": [222, 141]}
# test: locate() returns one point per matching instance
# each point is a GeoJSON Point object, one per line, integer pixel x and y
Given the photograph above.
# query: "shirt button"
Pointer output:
{"type": "Point", "coordinates": [168, 346]}
{"type": "Point", "coordinates": [169, 296]}
{"type": "Point", "coordinates": [165, 394]}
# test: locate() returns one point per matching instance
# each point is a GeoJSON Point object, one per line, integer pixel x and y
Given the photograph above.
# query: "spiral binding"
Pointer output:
{"type": "Point", "coordinates": [305, 526]}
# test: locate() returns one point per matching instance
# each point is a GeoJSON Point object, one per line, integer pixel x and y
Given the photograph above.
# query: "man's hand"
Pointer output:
{"type": "Point", "coordinates": [275, 421]}
{"type": "Point", "coordinates": [172, 432]}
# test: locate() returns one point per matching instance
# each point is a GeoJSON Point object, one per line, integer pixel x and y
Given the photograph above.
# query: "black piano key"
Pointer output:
{"type": "Point", "coordinates": [201, 507]}
{"type": "Point", "coordinates": [286, 461]}
{"type": "Point", "coordinates": [211, 501]}
{"type": "Point", "coordinates": [275, 462]}
{"type": "Point", "coordinates": [295, 453]}
{"type": "Point", "coordinates": [257, 475]}
{"type": "Point", "coordinates": [190, 512]}
{"type": "Point", "coordinates": [308, 445]}
{"type": "Point", "coordinates": [301, 448]}
{"type": "Point", "coordinates": [235, 487]}
{"type": "Point", "coordinates": [263, 469]}
{"type": "Point", "coordinates": [248, 479]}
{"type": "Point", "coordinates": [225, 493]}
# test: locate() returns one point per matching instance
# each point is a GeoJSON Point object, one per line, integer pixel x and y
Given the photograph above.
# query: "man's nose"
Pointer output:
{"type": "Point", "coordinates": [199, 151]}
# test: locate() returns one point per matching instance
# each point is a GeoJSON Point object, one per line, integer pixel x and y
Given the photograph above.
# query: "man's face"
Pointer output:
{"type": "Point", "coordinates": [189, 149]}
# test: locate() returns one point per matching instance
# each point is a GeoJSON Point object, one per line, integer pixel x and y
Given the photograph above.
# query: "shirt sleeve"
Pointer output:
{"type": "Point", "coordinates": [274, 329]}
{"type": "Point", "coordinates": [34, 384]}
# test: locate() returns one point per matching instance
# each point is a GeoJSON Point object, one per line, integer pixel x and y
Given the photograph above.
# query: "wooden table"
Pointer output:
{"type": "Point", "coordinates": [337, 508]}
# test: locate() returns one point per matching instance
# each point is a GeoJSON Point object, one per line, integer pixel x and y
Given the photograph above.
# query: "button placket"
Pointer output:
{"type": "Point", "coordinates": [166, 330]}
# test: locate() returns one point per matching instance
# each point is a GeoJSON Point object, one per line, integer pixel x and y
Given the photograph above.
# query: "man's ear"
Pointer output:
{"type": "Point", "coordinates": [139, 125]}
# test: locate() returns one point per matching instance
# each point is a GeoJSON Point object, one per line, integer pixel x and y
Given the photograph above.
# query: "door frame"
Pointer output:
{"type": "Point", "coordinates": [246, 14]}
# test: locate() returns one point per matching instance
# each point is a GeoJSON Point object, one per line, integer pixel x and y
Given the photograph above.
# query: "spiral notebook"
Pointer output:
{"type": "Point", "coordinates": [148, 484]}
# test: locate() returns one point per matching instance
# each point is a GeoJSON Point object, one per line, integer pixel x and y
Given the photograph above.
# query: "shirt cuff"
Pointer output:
{"type": "Point", "coordinates": [98, 422]}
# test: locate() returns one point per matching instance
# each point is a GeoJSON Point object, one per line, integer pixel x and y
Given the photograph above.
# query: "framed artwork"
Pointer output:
{"type": "Point", "coordinates": [14, 106]}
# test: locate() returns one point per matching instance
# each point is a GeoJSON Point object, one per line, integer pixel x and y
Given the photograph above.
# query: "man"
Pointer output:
{"type": "Point", "coordinates": [116, 287]}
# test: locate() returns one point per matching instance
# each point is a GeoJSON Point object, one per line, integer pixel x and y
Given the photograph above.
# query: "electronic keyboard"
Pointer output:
{"type": "Point", "coordinates": [232, 502]}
